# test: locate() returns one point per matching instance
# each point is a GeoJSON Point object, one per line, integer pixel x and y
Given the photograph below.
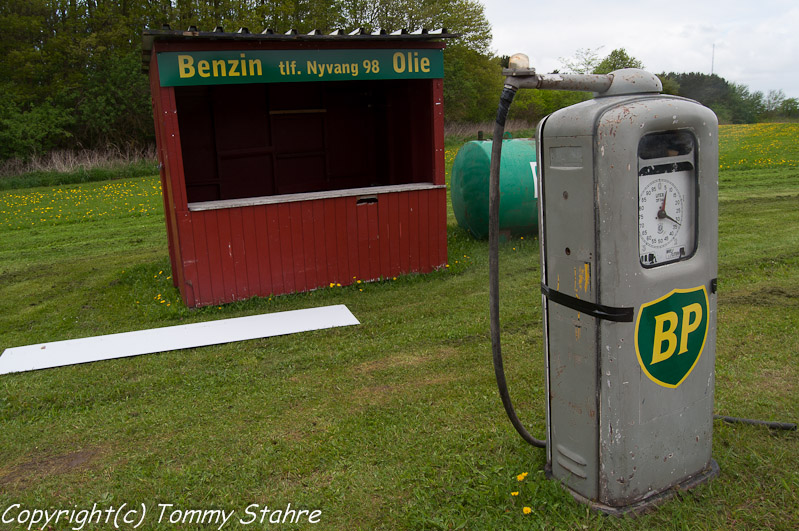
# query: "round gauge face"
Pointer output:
{"type": "Point", "coordinates": [666, 217]}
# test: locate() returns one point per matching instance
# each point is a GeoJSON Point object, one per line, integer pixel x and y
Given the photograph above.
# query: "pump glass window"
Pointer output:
{"type": "Point", "coordinates": [667, 205]}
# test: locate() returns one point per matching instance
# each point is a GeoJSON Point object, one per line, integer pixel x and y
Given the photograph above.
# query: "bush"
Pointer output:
{"type": "Point", "coordinates": [31, 132]}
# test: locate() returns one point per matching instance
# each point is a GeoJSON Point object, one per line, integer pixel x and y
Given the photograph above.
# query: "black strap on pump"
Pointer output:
{"type": "Point", "coordinates": [600, 311]}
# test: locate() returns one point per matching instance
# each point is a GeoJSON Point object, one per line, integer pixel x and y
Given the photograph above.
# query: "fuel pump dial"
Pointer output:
{"type": "Point", "coordinates": [666, 199]}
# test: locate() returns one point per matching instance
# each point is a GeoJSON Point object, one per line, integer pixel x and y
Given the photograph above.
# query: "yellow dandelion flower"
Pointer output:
{"type": "Point", "coordinates": [527, 510]}
{"type": "Point", "coordinates": [516, 493]}
{"type": "Point", "coordinates": [521, 476]}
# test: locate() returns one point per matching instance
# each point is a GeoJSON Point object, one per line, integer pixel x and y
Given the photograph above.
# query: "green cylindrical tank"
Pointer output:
{"type": "Point", "coordinates": [518, 214]}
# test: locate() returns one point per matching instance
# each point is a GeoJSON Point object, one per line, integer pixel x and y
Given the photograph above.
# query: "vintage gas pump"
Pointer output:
{"type": "Point", "coordinates": [628, 222]}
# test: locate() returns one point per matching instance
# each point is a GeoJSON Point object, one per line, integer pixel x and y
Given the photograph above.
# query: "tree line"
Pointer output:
{"type": "Point", "coordinates": [70, 70]}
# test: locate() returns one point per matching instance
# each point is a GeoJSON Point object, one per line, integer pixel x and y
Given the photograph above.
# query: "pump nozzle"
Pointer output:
{"type": "Point", "coordinates": [519, 62]}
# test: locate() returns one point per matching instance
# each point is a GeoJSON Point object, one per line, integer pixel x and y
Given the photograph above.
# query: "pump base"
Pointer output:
{"type": "Point", "coordinates": [650, 501]}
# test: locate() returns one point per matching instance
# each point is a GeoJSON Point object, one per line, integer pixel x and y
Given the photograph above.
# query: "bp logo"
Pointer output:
{"type": "Point", "coordinates": [670, 334]}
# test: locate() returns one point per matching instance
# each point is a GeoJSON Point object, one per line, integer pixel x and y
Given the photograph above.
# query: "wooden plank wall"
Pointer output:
{"type": "Point", "coordinates": [238, 253]}
{"type": "Point", "coordinates": [165, 124]}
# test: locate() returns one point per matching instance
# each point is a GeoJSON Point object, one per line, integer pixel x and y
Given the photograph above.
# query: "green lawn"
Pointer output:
{"type": "Point", "coordinates": [392, 424]}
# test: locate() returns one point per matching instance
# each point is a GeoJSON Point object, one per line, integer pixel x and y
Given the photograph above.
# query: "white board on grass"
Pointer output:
{"type": "Point", "coordinates": [88, 349]}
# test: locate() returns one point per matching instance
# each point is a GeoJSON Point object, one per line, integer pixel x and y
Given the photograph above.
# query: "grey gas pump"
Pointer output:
{"type": "Point", "coordinates": [628, 223]}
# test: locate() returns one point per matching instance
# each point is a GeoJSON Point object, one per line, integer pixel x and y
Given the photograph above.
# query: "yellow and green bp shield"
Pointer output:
{"type": "Point", "coordinates": [670, 333]}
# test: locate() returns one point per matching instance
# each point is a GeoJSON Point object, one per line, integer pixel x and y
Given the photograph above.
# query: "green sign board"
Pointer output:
{"type": "Point", "coordinates": [284, 66]}
{"type": "Point", "coordinates": [670, 334]}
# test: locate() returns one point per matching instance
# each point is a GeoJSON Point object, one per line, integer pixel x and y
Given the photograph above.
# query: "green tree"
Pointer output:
{"type": "Point", "coordinates": [789, 108]}
{"type": "Point", "coordinates": [708, 89]}
{"type": "Point", "coordinates": [71, 76]}
{"type": "Point", "coordinates": [33, 130]}
{"type": "Point", "coordinates": [616, 60]}
{"type": "Point", "coordinates": [472, 84]}
{"type": "Point", "coordinates": [746, 107]}
{"type": "Point", "coordinates": [465, 17]}
{"type": "Point", "coordinates": [114, 105]}
{"type": "Point", "coordinates": [532, 105]}
{"type": "Point", "coordinates": [585, 61]}
{"type": "Point", "coordinates": [670, 85]}
{"type": "Point", "coordinates": [773, 103]}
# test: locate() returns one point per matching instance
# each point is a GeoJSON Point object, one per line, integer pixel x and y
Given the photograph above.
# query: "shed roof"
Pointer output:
{"type": "Point", "coordinates": [149, 36]}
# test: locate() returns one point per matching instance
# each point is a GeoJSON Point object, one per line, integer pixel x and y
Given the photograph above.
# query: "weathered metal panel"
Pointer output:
{"type": "Point", "coordinates": [568, 199]}
{"type": "Point", "coordinates": [653, 437]}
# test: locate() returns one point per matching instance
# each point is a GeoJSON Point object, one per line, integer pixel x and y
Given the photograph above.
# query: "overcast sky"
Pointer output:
{"type": "Point", "coordinates": [756, 42]}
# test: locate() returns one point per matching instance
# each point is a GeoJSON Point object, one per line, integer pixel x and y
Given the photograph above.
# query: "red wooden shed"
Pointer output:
{"type": "Point", "coordinates": [291, 162]}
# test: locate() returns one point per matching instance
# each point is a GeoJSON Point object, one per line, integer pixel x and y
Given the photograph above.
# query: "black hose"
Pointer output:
{"type": "Point", "coordinates": [493, 265]}
{"type": "Point", "coordinates": [789, 426]}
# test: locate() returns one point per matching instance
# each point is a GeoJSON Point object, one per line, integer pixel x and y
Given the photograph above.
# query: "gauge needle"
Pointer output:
{"type": "Point", "coordinates": [662, 214]}
{"type": "Point", "coordinates": [662, 210]}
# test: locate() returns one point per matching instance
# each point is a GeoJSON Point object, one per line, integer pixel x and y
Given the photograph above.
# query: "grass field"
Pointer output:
{"type": "Point", "coordinates": [392, 424]}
